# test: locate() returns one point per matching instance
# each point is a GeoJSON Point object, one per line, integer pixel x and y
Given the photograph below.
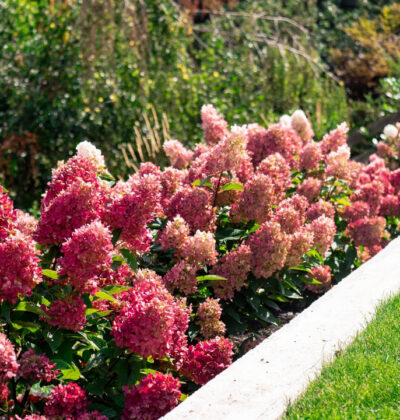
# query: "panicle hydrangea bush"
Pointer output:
{"type": "Point", "coordinates": [121, 298]}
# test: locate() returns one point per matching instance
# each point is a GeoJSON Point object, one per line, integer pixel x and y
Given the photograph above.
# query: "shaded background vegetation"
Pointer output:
{"type": "Point", "coordinates": [125, 75]}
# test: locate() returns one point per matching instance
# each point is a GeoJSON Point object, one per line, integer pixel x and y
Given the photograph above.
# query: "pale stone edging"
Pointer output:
{"type": "Point", "coordinates": [261, 383]}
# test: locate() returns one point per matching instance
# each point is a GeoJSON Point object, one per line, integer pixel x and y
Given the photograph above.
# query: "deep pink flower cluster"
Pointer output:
{"type": "Point", "coordinates": [133, 205]}
{"type": "Point", "coordinates": [7, 214]}
{"type": "Point", "coordinates": [171, 181]}
{"type": "Point", "coordinates": [8, 361]}
{"type": "Point", "coordinates": [32, 417]}
{"type": "Point", "coordinates": [4, 392]}
{"type": "Point", "coordinates": [234, 267]}
{"type": "Point", "coordinates": [19, 266]}
{"type": "Point", "coordinates": [358, 210]}
{"type": "Point", "coordinates": [310, 188]}
{"type": "Point", "coordinates": [154, 396]}
{"type": "Point", "coordinates": [152, 322]}
{"type": "Point", "coordinates": [214, 126]}
{"type": "Point", "coordinates": [206, 359]}
{"type": "Point", "coordinates": [68, 313]}
{"type": "Point", "coordinates": [25, 223]}
{"type": "Point", "coordinates": [368, 231]}
{"type": "Point", "coordinates": [78, 204]}
{"type": "Point", "coordinates": [269, 247]}
{"type": "Point", "coordinates": [86, 254]}
{"type": "Point", "coordinates": [178, 155]}
{"type": "Point", "coordinates": [390, 206]}
{"type": "Point", "coordinates": [194, 205]}
{"type": "Point", "coordinates": [36, 367]}
{"type": "Point", "coordinates": [371, 193]}
{"type": "Point", "coordinates": [322, 275]}
{"type": "Point", "coordinates": [66, 401]}
{"type": "Point", "coordinates": [208, 317]}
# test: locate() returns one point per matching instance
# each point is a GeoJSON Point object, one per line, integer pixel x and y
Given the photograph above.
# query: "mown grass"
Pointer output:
{"type": "Point", "coordinates": [364, 380]}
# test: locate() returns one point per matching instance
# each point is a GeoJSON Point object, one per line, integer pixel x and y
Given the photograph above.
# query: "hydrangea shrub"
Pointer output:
{"type": "Point", "coordinates": [120, 300]}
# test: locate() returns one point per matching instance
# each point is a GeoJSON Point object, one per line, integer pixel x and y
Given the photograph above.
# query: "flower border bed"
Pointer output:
{"type": "Point", "coordinates": [261, 383]}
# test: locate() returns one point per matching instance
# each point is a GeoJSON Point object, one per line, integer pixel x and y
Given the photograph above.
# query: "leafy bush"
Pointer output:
{"type": "Point", "coordinates": [116, 301]}
{"type": "Point", "coordinates": [75, 71]}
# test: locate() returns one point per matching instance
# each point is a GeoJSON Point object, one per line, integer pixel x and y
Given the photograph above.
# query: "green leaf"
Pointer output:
{"type": "Point", "coordinates": [68, 371]}
{"type": "Point", "coordinates": [115, 235]}
{"type": "Point", "coordinates": [115, 290]}
{"type": "Point", "coordinates": [266, 315]}
{"type": "Point", "coordinates": [91, 311]}
{"type": "Point", "coordinates": [232, 186]}
{"type": "Point", "coordinates": [51, 274]}
{"type": "Point", "coordinates": [211, 277]}
{"type": "Point", "coordinates": [31, 326]}
{"type": "Point", "coordinates": [129, 258]}
{"type": "Point", "coordinates": [54, 339]}
{"type": "Point", "coordinates": [29, 307]}
{"type": "Point", "coordinates": [102, 294]}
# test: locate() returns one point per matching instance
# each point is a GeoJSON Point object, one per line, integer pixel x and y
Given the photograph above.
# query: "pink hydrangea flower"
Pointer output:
{"type": "Point", "coordinates": [310, 188]}
{"type": "Point", "coordinates": [68, 313]}
{"type": "Point", "coordinates": [78, 167]}
{"type": "Point", "coordinates": [213, 124]}
{"type": "Point", "coordinates": [152, 322]}
{"type": "Point", "coordinates": [194, 205]}
{"type": "Point", "coordinates": [92, 415]}
{"type": "Point", "coordinates": [290, 213]}
{"type": "Point", "coordinates": [4, 393]}
{"type": "Point", "coordinates": [234, 267]}
{"type": "Point", "coordinates": [175, 234]}
{"type": "Point", "coordinates": [207, 359]}
{"type": "Point", "coordinates": [7, 214]}
{"type": "Point", "coordinates": [200, 249]}
{"type": "Point", "coordinates": [171, 181]}
{"type": "Point", "coordinates": [153, 397]}
{"type": "Point", "coordinates": [320, 208]}
{"type": "Point", "coordinates": [8, 362]}
{"type": "Point", "coordinates": [310, 156]}
{"type": "Point", "coordinates": [256, 200]}
{"type": "Point", "coordinates": [208, 317]}
{"type": "Point", "coordinates": [88, 150]}
{"type": "Point", "coordinates": [323, 229]}
{"type": "Point", "coordinates": [182, 277]}
{"type": "Point", "coordinates": [32, 417]}
{"type": "Point", "coordinates": [86, 254]}
{"type": "Point", "coordinates": [26, 223]}
{"type": "Point", "coordinates": [372, 194]}
{"type": "Point", "coordinates": [300, 243]}
{"type": "Point", "coordinates": [357, 210]}
{"type": "Point", "coordinates": [178, 155]}
{"type": "Point", "coordinates": [269, 246]}
{"type": "Point", "coordinates": [134, 204]}
{"type": "Point", "coordinates": [335, 138]}
{"type": "Point", "coordinates": [276, 167]}
{"type": "Point", "coordinates": [384, 150]}
{"type": "Point", "coordinates": [394, 179]}
{"type": "Point", "coordinates": [36, 367]}
{"type": "Point", "coordinates": [66, 401]}
{"type": "Point", "coordinates": [368, 231]}
{"type": "Point", "coordinates": [77, 205]}
{"type": "Point", "coordinates": [323, 275]}
{"type": "Point", "coordinates": [337, 163]}
{"type": "Point", "coordinates": [302, 125]}
{"type": "Point", "coordinates": [390, 206]}
{"type": "Point", "coordinates": [19, 267]}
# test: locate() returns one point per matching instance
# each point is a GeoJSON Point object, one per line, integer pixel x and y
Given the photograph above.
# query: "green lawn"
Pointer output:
{"type": "Point", "coordinates": [364, 380]}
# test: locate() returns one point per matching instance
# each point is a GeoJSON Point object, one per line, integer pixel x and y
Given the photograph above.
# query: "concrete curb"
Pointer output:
{"type": "Point", "coordinates": [261, 383]}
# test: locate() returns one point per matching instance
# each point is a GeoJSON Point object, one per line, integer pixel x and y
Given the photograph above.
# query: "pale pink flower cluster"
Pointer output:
{"type": "Point", "coordinates": [335, 138]}
{"type": "Point", "coordinates": [390, 206]}
{"type": "Point", "coordinates": [68, 313]}
{"type": "Point", "coordinates": [310, 156]}
{"type": "Point", "coordinates": [194, 205]}
{"type": "Point", "coordinates": [290, 213]}
{"type": "Point", "coordinates": [91, 152]}
{"type": "Point", "coordinates": [152, 322]}
{"type": "Point", "coordinates": [25, 223]}
{"type": "Point", "coordinates": [206, 359]}
{"type": "Point", "coordinates": [175, 234]}
{"type": "Point", "coordinates": [337, 163]}
{"type": "Point", "coordinates": [320, 208]}
{"type": "Point", "coordinates": [213, 124]}
{"type": "Point", "coordinates": [208, 317]}
{"type": "Point", "coordinates": [310, 188]}
{"type": "Point", "coordinates": [19, 267]}
{"type": "Point", "coordinates": [322, 275]}
{"type": "Point", "coordinates": [171, 181]}
{"type": "Point", "coordinates": [86, 254]}
{"type": "Point", "coordinates": [153, 397]}
{"type": "Point", "coordinates": [8, 360]}
{"type": "Point", "coordinates": [36, 367]}
{"type": "Point", "coordinates": [301, 242]}
{"type": "Point", "coordinates": [182, 277]}
{"type": "Point", "coordinates": [234, 267]}
{"type": "Point", "coordinates": [178, 155]}
{"type": "Point", "coordinates": [368, 231]}
{"type": "Point", "coordinates": [276, 167]}
{"type": "Point", "coordinates": [302, 125]}
{"type": "Point", "coordinates": [200, 249]}
{"type": "Point", "coordinates": [372, 194]}
{"type": "Point", "coordinates": [357, 210]}
{"type": "Point", "coordinates": [269, 247]}
{"type": "Point", "coordinates": [323, 229]}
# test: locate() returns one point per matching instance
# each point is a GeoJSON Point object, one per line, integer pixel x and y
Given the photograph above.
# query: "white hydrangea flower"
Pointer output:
{"type": "Point", "coordinates": [88, 150]}
{"type": "Point", "coordinates": [285, 121]}
{"type": "Point", "coordinates": [299, 119]}
{"type": "Point", "coordinates": [390, 131]}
